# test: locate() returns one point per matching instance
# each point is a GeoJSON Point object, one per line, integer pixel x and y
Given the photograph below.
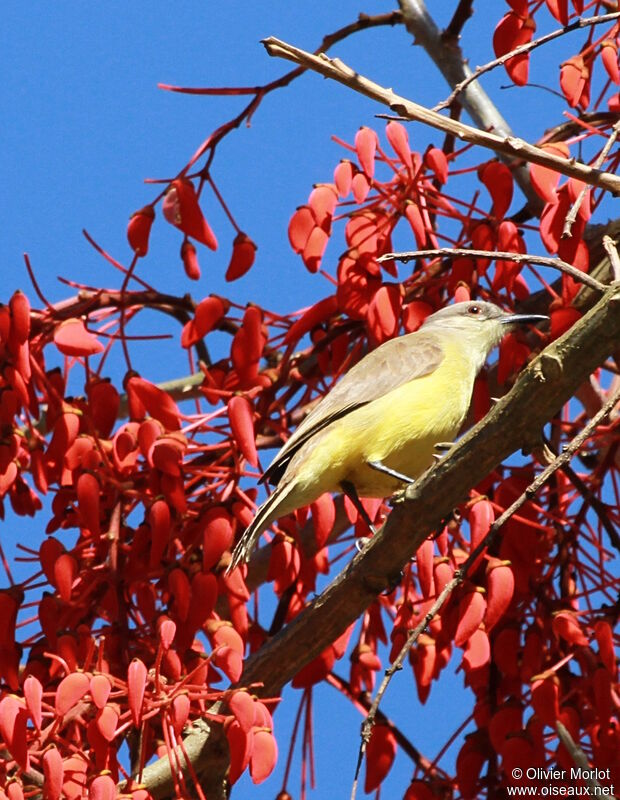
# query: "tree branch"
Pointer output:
{"type": "Point", "coordinates": [506, 144]}
{"type": "Point", "coordinates": [542, 389]}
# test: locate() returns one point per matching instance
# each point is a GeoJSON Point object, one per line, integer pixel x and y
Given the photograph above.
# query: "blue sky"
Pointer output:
{"type": "Point", "coordinates": [84, 124]}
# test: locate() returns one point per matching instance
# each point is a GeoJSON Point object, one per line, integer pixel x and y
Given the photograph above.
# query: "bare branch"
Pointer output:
{"type": "Point", "coordinates": [506, 145]}
{"type": "Point", "coordinates": [578, 24]}
{"type": "Point", "coordinates": [519, 258]}
{"type": "Point", "coordinates": [572, 214]}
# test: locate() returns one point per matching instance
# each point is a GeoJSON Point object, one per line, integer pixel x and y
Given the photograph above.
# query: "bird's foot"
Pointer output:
{"type": "Point", "coordinates": [397, 498]}
{"type": "Point", "coordinates": [362, 543]}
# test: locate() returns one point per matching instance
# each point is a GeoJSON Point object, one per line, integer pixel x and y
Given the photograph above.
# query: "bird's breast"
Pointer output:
{"type": "Point", "coordinates": [399, 429]}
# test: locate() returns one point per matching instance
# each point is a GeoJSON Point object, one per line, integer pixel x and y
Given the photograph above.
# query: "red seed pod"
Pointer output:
{"type": "Point", "coordinates": [179, 588]}
{"type": "Point", "coordinates": [545, 180]}
{"type": "Point", "coordinates": [366, 146]}
{"type": "Point", "coordinates": [208, 314]}
{"type": "Point", "coordinates": [323, 518]}
{"type": "Point", "coordinates": [316, 670]}
{"type": "Point", "coordinates": [414, 314]}
{"type": "Point", "coordinates": [107, 722]}
{"type": "Point", "coordinates": [470, 614]}
{"type": "Point", "coordinates": [241, 416]}
{"type": "Point", "coordinates": [284, 563]}
{"type": "Point", "coordinates": [65, 573]}
{"type": "Point", "coordinates": [13, 729]}
{"type": "Point", "coordinates": [424, 658]}
{"type": "Point", "coordinates": [102, 788]}
{"type": "Point", "coordinates": [242, 258]}
{"type": "Point", "coordinates": [10, 602]}
{"type": "Point", "coordinates": [33, 693]}
{"type": "Point", "coordinates": [500, 589]}
{"type": "Point", "coordinates": [5, 323]}
{"type": "Point", "coordinates": [264, 756]}
{"type": "Point", "coordinates": [70, 691]}
{"type": "Point", "coordinates": [181, 209]}
{"type": "Point", "coordinates": [383, 313]}
{"type": "Point", "coordinates": [511, 31]}
{"type": "Point", "coordinates": [477, 651]}
{"type": "Point", "coordinates": [360, 187]}
{"type": "Point", "coordinates": [203, 598]}
{"type": "Point", "coordinates": [179, 712]}
{"type": "Point", "coordinates": [604, 637]}
{"type": "Point", "coordinates": [314, 249]}
{"type": "Point", "coordinates": [559, 9]}
{"type": "Point", "coordinates": [104, 402]}
{"type": "Point", "coordinates": [158, 403]}
{"type": "Point", "coordinates": [317, 314]}
{"type": "Point", "coordinates": [545, 700]}
{"type": "Point", "coordinates": [380, 755]}
{"type": "Point", "coordinates": [139, 229]}
{"type": "Point", "coordinates": [240, 746]}
{"type": "Point", "coordinates": [343, 176]}
{"type": "Point", "coordinates": [88, 497]}
{"type": "Point", "coordinates": [398, 137]}
{"type": "Point", "coordinates": [469, 763]}
{"type": "Point", "coordinates": [505, 722]}
{"type": "Point", "coordinates": [74, 783]}
{"type": "Point", "coordinates": [436, 160]}
{"type": "Point", "coordinates": [160, 525]}
{"type": "Point", "coordinates": [243, 707]}
{"type": "Point", "coordinates": [566, 625]}
{"type": "Point", "coordinates": [322, 202]}
{"type": "Point", "coordinates": [497, 179]}
{"type": "Point", "coordinates": [100, 688]}
{"type": "Point", "coordinates": [609, 57]}
{"type": "Point", "coordinates": [424, 558]}
{"type": "Point", "coordinates": [53, 772]}
{"type": "Point", "coordinates": [167, 456]}
{"type": "Point", "coordinates": [574, 81]}
{"type": "Point", "coordinates": [418, 790]}
{"type": "Point", "coordinates": [300, 227]}
{"type": "Point", "coordinates": [189, 257]}
{"type": "Point", "coordinates": [136, 685]}
{"type": "Point", "coordinates": [414, 216]}
{"type": "Point", "coordinates": [72, 339]}
{"type": "Point", "coordinates": [481, 517]}
{"type": "Point", "coordinates": [217, 536]}
{"type": "Point", "coordinates": [19, 307]}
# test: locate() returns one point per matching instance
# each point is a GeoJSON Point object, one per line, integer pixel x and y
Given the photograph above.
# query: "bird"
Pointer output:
{"type": "Point", "coordinates": [376, 430]}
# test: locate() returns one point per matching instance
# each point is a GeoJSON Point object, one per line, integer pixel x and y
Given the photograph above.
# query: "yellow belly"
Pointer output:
{"type": "Point", "coordinates": [400, 430]}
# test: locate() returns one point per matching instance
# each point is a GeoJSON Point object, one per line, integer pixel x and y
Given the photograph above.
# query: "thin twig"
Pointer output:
{"type": "Point", "coordinates": [523, 48]}
{"type": "Point", "coordinates": [598, 162]}
{"type": "Point", "coordinates": [519, 258]}
{"type": "Point", "coordinates": [509, 146]}
{"type": "Point", "coordinates": [461, 573]}
{"type": "Point", "coordinates": [580, 759]}
{"type": "Point", "coordinates": [462, 13]}
{"type": "Point", "coordinates": [614, 259]}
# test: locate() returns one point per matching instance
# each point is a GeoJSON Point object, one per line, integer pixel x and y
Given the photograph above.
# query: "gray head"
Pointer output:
{"type": "Point", "coordinates": [480, 323]}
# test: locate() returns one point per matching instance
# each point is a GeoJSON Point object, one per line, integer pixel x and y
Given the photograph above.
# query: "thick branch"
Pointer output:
{"type": "Point", "coordinates": [514, 422]}
{"type": "Point", "coordinates": [506, 145]}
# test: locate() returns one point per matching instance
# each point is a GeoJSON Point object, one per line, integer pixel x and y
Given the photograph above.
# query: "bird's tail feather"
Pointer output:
{"type": "Point", "coordinates": [265, 515]}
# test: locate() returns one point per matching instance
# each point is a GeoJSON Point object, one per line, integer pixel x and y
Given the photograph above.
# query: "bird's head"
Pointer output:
{"type": "Point", "coordinates": [480, 323]}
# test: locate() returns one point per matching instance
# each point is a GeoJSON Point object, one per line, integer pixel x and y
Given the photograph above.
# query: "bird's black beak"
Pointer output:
{"type": "Point", "coordinates": [522, 319]}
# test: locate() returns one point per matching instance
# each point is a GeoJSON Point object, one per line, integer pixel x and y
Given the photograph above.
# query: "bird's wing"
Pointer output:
{"type": "Point", "coordinates": [394, 363]}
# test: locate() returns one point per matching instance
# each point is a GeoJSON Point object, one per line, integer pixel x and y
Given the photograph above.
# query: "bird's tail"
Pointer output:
{"type": "Point", "coordinates": [265, 515]}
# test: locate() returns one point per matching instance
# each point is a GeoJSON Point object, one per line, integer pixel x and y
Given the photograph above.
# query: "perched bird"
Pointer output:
{"type": "Point", "coordinates": [377, 429]}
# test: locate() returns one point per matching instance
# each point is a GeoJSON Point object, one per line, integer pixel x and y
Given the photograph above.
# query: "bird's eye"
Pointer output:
{"type": "Point", "coordinates": [474, 310]}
